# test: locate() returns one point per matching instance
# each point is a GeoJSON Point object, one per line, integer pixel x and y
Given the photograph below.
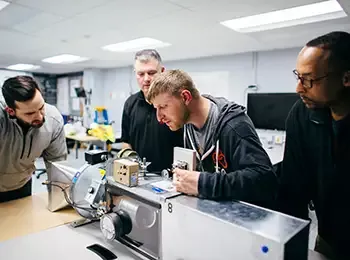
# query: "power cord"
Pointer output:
{"type": "Point", "coordinates": [71, 203]}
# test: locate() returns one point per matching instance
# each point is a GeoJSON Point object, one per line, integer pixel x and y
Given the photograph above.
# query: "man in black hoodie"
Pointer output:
{"type": "Point", "coordinates": [317, 152]}
{"type": "Point", "coordinates": [231, 162]}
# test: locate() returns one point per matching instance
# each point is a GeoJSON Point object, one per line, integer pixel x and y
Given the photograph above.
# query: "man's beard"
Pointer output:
{"type": "Point", "coordinates": [28, 125]}
{"type": "Point", "coordinates": [186, 115]}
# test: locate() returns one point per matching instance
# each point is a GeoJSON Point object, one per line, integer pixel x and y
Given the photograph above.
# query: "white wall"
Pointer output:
{"type": "Point", "coordinates": [118, 84]}
{"type": "Point", "coordinates": [222, 75]}
{"type": "Point", "coordinates": [94, 81]}
{"type": "Point", "coordinates": [5, 74]}
{"type": "Point", "coordinates": [225, 76]}
{"type": "Point", "coordinates": [274, 70]}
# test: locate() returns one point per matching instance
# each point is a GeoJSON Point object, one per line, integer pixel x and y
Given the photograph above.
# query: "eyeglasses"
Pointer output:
{"type": "Point", "coordinates": [307, 83]}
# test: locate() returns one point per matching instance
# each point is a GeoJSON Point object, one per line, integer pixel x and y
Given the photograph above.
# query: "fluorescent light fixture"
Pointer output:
{"type": "Point", "coordinates": [23, 67]}
{"type": "Point", "coordinates": [135, 45]}
{"type": "Point", "coordinates": [311, 13]}
{"type": "Point", "coordinates": [64, 59]}
{"type": "Point", "coordinates": [3, 4]}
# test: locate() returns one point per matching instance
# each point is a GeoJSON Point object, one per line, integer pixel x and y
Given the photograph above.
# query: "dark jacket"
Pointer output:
{"type": "Point", "coordinates": [316, 167]}
{"type": "Point", "coordinates": [149, 138]}
{"type": "Point", "coordinates": [235, 165]}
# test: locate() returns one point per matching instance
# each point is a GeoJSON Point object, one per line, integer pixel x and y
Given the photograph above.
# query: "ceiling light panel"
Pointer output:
{"type": "Point", "coordinates": [135, 45]}
{"type": "Point", "coordinates": [23, 67]}
{"type": "Point", "coordinates": [65, 59]}
{"type": "Point", "coordinates": [311, 13]}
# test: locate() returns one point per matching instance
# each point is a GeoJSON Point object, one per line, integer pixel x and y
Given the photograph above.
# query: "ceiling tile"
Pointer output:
{"type": "Point", "coordinates": [179, 24]}
{"type": "Point", "coordinates": [118, 14]}
{"type": "Point", "coordinates": [14, 14]}
{"type": "Point", "coordinates": [301, 33]}
{"type": "Point", "coordinates": [113, 15]}
{"type": "Point", "coordinates": [98, 39]}
{"type": "Point", "coordinates": [190, 3]}
{"type": "Point", "coordinates": [16, 43]}
{"type": "Point", "coordinates": [38, 22]}
{"type": "Point", "coordinates": [65, 8]}
{"type": "Point", "coordinates": [345, 4]}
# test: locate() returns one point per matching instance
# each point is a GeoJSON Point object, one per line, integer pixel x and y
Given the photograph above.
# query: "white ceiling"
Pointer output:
{"type": "Point", "coordinates": [31, 30]}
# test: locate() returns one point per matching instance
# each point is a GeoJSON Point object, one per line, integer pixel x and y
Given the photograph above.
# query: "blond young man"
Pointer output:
{"type": "Point", "coordinates": [231, 162]}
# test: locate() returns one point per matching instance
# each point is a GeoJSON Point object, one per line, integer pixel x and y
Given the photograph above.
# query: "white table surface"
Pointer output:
{"type": "Point", "coordinates": [65, 242]}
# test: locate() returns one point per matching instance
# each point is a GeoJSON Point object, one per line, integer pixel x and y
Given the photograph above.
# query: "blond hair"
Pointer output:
{"type": "Point", "coordinates": [172, 82]}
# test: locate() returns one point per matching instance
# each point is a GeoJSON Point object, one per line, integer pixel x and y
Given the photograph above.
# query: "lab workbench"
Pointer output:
{"type": "Point", "coordinates": [27, 225]}
{"type": "Point", "coordinates": [66, 242]}
{"type": "Point", "coordinates": [30, 215]}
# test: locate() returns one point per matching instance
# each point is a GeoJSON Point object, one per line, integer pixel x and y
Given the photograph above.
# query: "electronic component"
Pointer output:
{"type": "Point", "coordinates": [180, 164]}
{"type": "Point", "coordinates": [168, 173]}
{"type": "Point", "coordinates": [96, 156]}
{"type": "Point", "coordinates": [95, 192]}
{"type": "Point", "coordinates": [184, 156]}
{"type": "Point", "coordinates": [126, 172]}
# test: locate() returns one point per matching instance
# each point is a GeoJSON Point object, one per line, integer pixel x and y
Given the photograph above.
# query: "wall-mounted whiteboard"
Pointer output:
{"type": "Point", "coordinates": [215, 83]}
{"type": "Point", "coordinates": [5, 74]}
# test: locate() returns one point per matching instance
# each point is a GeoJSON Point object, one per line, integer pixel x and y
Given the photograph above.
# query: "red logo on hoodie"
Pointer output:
{"type": "Point", "coordinates": [221, 159]}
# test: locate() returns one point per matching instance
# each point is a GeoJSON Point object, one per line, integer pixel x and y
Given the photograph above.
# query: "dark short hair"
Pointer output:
{"type": "Point", "coordinates": [20, 89]}
{"type": "Point", "coordinates": [338, 45]}
{"type": "Point", "coordinates": [146, 54]}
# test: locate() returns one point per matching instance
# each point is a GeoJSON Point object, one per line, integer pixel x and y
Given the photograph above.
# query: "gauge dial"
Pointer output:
{"type": "Point", "coordinates": [108, 226]}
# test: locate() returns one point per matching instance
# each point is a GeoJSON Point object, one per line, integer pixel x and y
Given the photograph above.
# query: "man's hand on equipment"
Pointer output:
{"type": "Point", "coordinates": [186, 181]}
{"type": "Point", "coordinates": [126, 145]}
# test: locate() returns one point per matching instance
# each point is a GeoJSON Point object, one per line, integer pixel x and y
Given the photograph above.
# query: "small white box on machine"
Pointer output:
{"type": "Point", "coordinates": [185, 155]}
{"type": "Point", "coordinates": [126, 172]}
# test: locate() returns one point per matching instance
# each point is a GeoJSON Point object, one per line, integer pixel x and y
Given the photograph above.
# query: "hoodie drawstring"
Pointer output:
{"type": "Point", "coordinates": [217, 156]}
{"type": "Point", "coordinates": [30, 145]}
{"type": "Point", "coordinates": [207, 153]}
{"type": "Point", "coordinates": [193, 146]}
{"type": "Point", "coordinates": [184, 136]}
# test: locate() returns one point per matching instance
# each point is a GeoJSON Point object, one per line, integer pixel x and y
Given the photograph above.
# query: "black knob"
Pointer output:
{"type": "Point", "coordinates": [126, 222]}
{"type": "Point", "coordinates": [116, 224]}
{"type": "Point", "coordinates": [91, 190]}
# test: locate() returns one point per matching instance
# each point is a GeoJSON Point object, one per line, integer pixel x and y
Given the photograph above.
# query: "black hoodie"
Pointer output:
{"type": "Point", "coordinates": [234, 164]}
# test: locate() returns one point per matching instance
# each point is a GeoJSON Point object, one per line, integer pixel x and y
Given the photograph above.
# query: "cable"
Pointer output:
{"type": "Point", "coordinates": [71, 203]}
{"type": "Point", "coordinates": [109, 166]}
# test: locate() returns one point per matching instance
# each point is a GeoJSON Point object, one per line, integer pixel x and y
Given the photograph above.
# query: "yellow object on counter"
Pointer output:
{"type": "Point", "coordinates": [100, 108]}
{"type": "Point", "coordinates": [103, 133]}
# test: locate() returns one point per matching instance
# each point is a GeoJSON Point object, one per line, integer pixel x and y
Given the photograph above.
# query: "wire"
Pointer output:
{"type": "Point", "coordinates": [109, 166]}
{"type": "Point", "coordinates": [71, 203]}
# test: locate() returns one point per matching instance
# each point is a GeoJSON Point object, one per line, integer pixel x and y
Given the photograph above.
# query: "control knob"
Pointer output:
{"type": "Point", "coordinates": [115, 224]}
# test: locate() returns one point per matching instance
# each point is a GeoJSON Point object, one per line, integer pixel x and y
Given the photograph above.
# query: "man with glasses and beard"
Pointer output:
{"type": "Point", "coordinates": [317, 152]}
{"type": "Point", "coordinates": [29, 128]}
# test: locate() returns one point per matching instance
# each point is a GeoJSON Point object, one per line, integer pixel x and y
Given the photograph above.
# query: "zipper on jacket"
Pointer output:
{"type": "Point", "coordinates": [30, 145]}
{"type": "Point", "coordinates": [24, 145]}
